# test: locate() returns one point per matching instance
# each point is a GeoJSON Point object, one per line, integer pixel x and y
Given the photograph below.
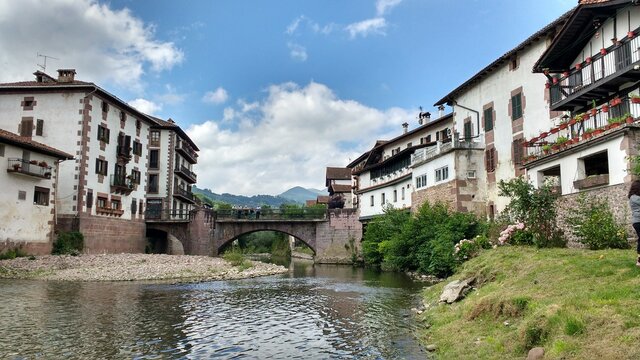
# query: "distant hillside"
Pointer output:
{"type": "Point", "coordinates": [240, 200]}
{"type": "Point", "coordinates": [301, 195]}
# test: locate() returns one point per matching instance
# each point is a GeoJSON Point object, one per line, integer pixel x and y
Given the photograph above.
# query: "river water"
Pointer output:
{"type": "Point", "coordinates": [314, 312]}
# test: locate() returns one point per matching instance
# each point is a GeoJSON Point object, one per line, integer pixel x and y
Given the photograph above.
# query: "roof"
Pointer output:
{"type": "Point", "coordinates": [323, 199]}
{"type": "Point", "coordinates": [170, 124]}
{"type": "Point", "coordinates": [576, 34]}
{"type": "Point", "coordinates": [340, 188]}
{"type": "Point", "coordinates": [489, 68]}
{"type": "Point", "coordinates": [25, 142]}
{"type": "Point", "coordinates": [336, 173]}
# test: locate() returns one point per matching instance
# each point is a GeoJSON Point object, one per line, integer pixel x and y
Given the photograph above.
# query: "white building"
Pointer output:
{"type": "Point", "coordinates": [339, 184]}
{"type": "Point", "coordinates": [101, 193]}
{"type": "Point", "coordinates": [172, 155]}
{"type": "Point", "coordinates": [501, 106]}
{"type": "Point", "coordinates": [28, 199]}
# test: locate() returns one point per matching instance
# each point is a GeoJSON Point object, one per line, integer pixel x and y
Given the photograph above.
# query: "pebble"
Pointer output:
{"type": "Point", "coordinates": [126, 267]}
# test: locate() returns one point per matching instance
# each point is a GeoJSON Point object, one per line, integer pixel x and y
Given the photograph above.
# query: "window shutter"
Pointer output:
{"type": "Point", "coordinates": [517, 152]}
{"type": "Point", "coordinates": [89, 199]}
{"type": "Point", "coordinates": [98, 171]}
{"type": "Point", "coordinates": [133, 206]}
{"type": "Point", "coordinates": [39, 127]}
{"type": "Point", "coordinates": [106, 166]}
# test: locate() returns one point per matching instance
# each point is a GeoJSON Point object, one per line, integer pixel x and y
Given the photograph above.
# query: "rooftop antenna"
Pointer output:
{"type": "Point", "coordinates": [44, 65]}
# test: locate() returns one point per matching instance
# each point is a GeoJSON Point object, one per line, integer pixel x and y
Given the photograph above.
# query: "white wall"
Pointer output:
{"type": "Point", "coordinates": [22, 220]}
{"type": "Point", "coordinates": [414, 139]}
{"type": "Point", "coordinates": [429, 168]}
{"type": "Point", "coordinates": [377, 209]}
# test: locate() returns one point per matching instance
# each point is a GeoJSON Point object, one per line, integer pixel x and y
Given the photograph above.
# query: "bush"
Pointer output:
{"type": "Point", "coordinates": [70, 243]}
{"type": "Point", "coordinates": [592, 222]}
{"type": "Point", "coordinates": [234, 257]}
{"type": "Point", "coordinates": [13, 253]}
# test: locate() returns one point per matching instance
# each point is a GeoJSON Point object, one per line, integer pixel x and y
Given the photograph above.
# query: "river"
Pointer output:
{"type": "Point", "coordinates": [313, 312]}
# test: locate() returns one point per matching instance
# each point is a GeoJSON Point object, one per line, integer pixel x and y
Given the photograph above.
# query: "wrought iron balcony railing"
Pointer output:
{"type": "Point", "coordinates": [186, 173]}
{"type": "Point", "coordinates": [32, 168]}
{"type": "Point", "coordinates": [184, 194]}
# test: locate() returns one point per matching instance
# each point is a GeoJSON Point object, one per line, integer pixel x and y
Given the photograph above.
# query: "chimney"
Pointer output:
{"type": "Point", "coordinates": [440, 111]}
{"type": "Point", "coordinates": [66, 75]}
{"type": "Point", "coordinates": [405, 128]}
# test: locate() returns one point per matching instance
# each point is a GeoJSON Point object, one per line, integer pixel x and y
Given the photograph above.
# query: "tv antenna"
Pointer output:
{"type": "Point", "coordinates": [44, 65]}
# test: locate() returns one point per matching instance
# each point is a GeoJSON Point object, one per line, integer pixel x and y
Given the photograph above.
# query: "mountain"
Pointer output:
{"type": "Point", "coordinates": [240, 200]}
{"type": "Point", "coordinates": [301, 195]}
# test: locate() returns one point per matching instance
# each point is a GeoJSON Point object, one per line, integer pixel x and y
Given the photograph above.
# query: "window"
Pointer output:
{"type": "Point", "coordinates": [421, 181]}
{"type": "Point", "coordinates": [395, 195]}
{"type": "Point", "coordinates": [153, 183]}
{"type": "Point", "coordinates": [115, 204]}
{"type": "Point", "coordinates": [516, 106]}
{"type": "Point", "coordinates": [101, 167]}
{"type": "Point", "coordinates": [1, 150]}
{"type": "Point", "coordinates": [467, 130]}
{"type": "Point", "coordinates": [471, 174]}
{"type": "Point", "coordinates": [442, 173]}
{"type": "Point", "coordinates": [103, 134]}
{"type": "Point", "coordinates": [134, 203]}
{"type": "Point", "coordinates": [138, 124]}
{"type": "Point", "coordinates": [155, 138]}
{"type": "Point", "coordinates": [153, 159]}
{"type": "Point", "coordinates": [123, 117]}
{"type": "Point", "coordinates": [41, 196]}
{"type": "Point", "coordinates": [105, 107]}
{"type": "Point", "coordinates": [409, 145]}
{"type": "Point", "coordinates": [488, 119]}
{"type": "Point", "coordinates": [402, 193]}
{"type": "Point", "coordinates": [28, 103]}
{"type": "Point", "coordinates": [89, 198]}
{"type": "Point", "coordinates": [490, 159]}
{"type": "Point", "coordinates": [383, 199]}
{"type": "Point", "coordinates": [135, 176]}
{"type": "Point", "coordinates": [137, 148]}
{"type": "Point", "coordinates": [102, 202]}
{"type": "Point", "coordinates": [22, 195]}
{"type": "Point", "coordinates": [518, 150]}
{"type": "Point", "coordinates": [372, 200]}
{"type": "Point", "coordinates": [26, 127]}
{"type": "Point", "coordinates": [597, 164]}
{"type": "Point", "coordinates": [39, 127]}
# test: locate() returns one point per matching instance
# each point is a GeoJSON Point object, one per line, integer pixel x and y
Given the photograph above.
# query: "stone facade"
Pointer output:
{"type": "Point", "coordinates": [106, 235]}
{"type": "Point", "coordinates": [444, 193]}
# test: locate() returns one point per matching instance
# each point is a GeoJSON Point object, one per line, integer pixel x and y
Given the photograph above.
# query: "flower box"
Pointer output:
{"type": "Point", "coordinates": [591, 181]}
{"type": "Point", "coordinates": [588, 60]}
{"type": "Point", "coordinates": [603, 51]}
{"type": "Point", "coordinates": [635, 100]}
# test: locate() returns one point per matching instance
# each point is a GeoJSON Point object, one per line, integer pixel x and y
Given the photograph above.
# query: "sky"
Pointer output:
{"type": "Point", "coordinates": [272, 92]}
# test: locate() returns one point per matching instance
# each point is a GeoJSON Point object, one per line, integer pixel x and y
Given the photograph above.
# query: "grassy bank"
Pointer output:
{"type": "Point", "coordinates": [577, 304]}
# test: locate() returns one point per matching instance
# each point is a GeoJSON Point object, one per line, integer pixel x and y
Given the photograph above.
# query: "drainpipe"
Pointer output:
{"type": "Point", "coordinates": [455, 103]}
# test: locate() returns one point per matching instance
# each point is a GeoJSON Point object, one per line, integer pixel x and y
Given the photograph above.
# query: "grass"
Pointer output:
{"type": "Point", "coordinates": [236, 258]}
{"type": "Point", "coordinates": [577, 304]}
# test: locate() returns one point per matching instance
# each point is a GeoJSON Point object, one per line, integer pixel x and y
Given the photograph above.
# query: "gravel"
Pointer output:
{"type": "Point", "coordinates": [129, 267]}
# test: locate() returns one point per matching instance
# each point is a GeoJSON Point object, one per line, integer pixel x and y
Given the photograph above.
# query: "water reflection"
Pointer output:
{"type": "Point", "coordinates": [314, 312]}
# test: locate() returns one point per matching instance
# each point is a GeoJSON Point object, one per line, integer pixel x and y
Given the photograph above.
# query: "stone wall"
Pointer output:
{"type": "Point", "coordinates": [200, 235]}
{"type": "Point", "coordinates": [339, 239]}
{"type": "Point", "coordinates": [30, 247]}
{"type": "Point", "coordinates": [614, 195]}
{"type": "Point", "coordinates": [105, 234]}
{"type": "Point", "coordinates": [445, 193]}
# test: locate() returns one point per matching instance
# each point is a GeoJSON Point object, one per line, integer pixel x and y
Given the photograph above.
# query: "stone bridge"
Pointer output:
{"type": "Point", "coordinates": [333, 235]}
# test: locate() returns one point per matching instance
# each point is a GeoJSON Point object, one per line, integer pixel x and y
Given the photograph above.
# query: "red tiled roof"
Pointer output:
{"type": "Point", "coordinates": [46, 83]}
{"type": "Point", "coordinates": [323, 199]}
{"type": "Point", "coordinates": [336, 173]}
{"type": "Point", "coordinates": [340, 188]}
{"type": "Point", "coordinates": [587, 2]}
{"type": "Point", "coordinates": [27, 143]}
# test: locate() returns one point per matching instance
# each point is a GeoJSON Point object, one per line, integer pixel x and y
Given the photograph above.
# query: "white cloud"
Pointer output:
{"type": "Point", "coordinates": [302, 20]}
{"type": "Point", "coordinates": [287, 139]}
{"type": "Point", "coordinates": [297, 52]}
{"type": "Point", "coordinates": [294, 25]}
{"type": "Point", "coordinates": [102, 44]}
{"type": "Point", "coordinates": [382, 6]}
{"type": "Point", "coordinates": [218, 96]}
{"type": "Point", "coordinates": [145, 106]}
{"type": "Point", "coordinates": [367, 27]}
{"type": "Point", "coordinates": [171, 96]}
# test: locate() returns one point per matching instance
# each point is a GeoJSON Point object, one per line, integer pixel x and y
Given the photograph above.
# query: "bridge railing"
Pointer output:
{"type": "Point", "coordinates": [271, 214]}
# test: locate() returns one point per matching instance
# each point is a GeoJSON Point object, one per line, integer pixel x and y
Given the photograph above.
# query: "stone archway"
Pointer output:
{"type": "Point", "coordinates": [227, 242]}
{"type": "Point", "coordinates": [227, 231]}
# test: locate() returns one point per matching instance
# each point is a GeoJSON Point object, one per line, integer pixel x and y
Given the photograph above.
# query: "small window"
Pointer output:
{"type": "Point", "coordinates": [421, 181]}
{"type": "Point", "coordinates": [123, 116]}
{"type": "Point", "coordinates": [402, 193]}
{"type": "Point", "coordinates": [488, 119]}
{"type": "Point", "coordinates": [383, 199]}
{"type": "Point", "coordinates": [115, 204]}
{"type": "Point", "coordinates": [490, 159]}
{"type": "Point", "coordinates": [137, 148]}
{"type": "Point", "coordinates": [372, 200]}
{"type": "Point", "coordinates": [26, 127]}
{"type": "Point", "coordinates": [22, 195]}
{"type": "Point", "coordinates": [39, 127]}
{"type": "Point", "coordinates": [516, 106]}
{"type": "Point", "coordinates": [138, 124]}
{"type": "Point", "coordinates": [471, 174]}
{"type": "Point", "coordinates": [597, 164]}
{"type": "Point", "coordinates": [409, 145]}
{"type": "Point", "coordinates": [101, 167]}
{"type": "Point", "coordinates": [395, 195]}
{"type": "Point", "coordinates": [154, 157]}
{"type": "Point", "coordinates": [41, 196]}
{"type": "Point", "coordinates": [103, 134]}
{"type": "Point", "coordinates": [442, 173]}
{"type": "Point", "coordinates": [28, 104]}
{"type": "Point", "coordinates": [134, 206]}
{"type": "Point", "coordinates": [105, 107]}
{"type": "Point", "coordinates": [135, 176]}
{"type": "Point", "coordinates": [102, 202]}
{"type": "Point", "coordinates": [155, 138]}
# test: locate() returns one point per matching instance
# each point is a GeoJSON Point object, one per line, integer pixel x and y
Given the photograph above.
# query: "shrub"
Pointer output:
{"type": "Point", "coordinates": [592, 222]}
{"type": "Point", "coordinates": [70, 243]}
{"type": "Point", "coordinates": [234, 257]}
{"type": "Point", "coordinates": [13, 253]}
{"type": "Point", "coordinates": [381, 229]}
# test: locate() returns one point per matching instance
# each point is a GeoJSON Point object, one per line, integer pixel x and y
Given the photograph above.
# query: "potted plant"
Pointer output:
{"type": "Point", "coordinates": [562, 141]}
{"type": "Point", "coordinates": [43, 164]}
{"type": "Point", "coordinates": [547, 85]}
{"type": "Point", "coordinates": [588, 60]}
{"type": "Point", "coordinates": [605, 108]}
{"type": "Point", "coordinates": [603, 51]}
{"type": "Point", "coordinates": [635, 98]}
{"type": "Point", "coordinates": [616, 101]}
{"type": "Point", "coordinates": [631, 35]}
{"type": "Point", "coordinates": [588, 133]}
{"type": "Point", "coordinates": [578, 66]}
{"type": "Point", "coordinates": [16, 166]}
{"type": "Point", "coordinates": [598, 131]}
{"type": "Point", "coordinates": [628, 118]}
{"type": "Point", "coordinates": [614, 122]}
{"type": "Point", "coordinates": [546, 148]}
{"type": "Point", "coordinates": [563, 124]}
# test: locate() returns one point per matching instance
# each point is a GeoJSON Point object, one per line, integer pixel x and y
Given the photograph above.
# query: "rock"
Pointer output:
{"type": "Point", "coordinates": [506, 323]}
{"type": "Point", "coordinates": [536, 353]}
{"type": "Point", "coordinates": [431, 347]}
{"type": "Point", "coordinates": [456, 290]}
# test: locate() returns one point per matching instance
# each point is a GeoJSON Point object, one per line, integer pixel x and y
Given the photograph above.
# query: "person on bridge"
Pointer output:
{"type": "Point", "coordinates": [258, 212]}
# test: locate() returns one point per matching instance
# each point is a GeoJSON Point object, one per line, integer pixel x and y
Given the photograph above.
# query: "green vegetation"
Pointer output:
{"type": "Point", "coordinates": [70, 243]}
{"type": "Point", "coordinates": [425, 242]}
{"type": "Point", "coordinates": [576, 303]}
{"type": "Point", "coordinates": [261, 242]}
{"type": "Point", "coordinates": [235, 258]}
{"type": "Point", "coordinates": [13, 253]}
{"type": "Point", "coordinates": [594, 225]}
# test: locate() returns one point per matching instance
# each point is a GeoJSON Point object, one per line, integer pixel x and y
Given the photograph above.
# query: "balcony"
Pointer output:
{"type": "Point", "coordinates": [31, 168]}
{"type": "Point", "coordinates": [600, 75]}
{"type": "Point", "coordinates": [425, 154]}
{"type": "Point", "coordinates": [120, 184]}
{"type": "Point", "coordinates": [184, 194]}
{"type": "Point", "coordinates": [167, 215]}
{"type": "Point", "coordinates": [186, 174]}
{"type": "Point", "coordinates": [124, 153]}
{"type": "Point", "coordinates": [584, 128]}
{"type": "Point", "coordinates": [187, 152]}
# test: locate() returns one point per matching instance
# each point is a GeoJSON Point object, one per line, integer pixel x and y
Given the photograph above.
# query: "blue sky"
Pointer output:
{"type": "Point", "coordinates": [272, 91]}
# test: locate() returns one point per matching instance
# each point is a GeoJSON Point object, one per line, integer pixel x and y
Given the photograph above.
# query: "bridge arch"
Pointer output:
{"type": "Point", "coordinates": [227, 231]}
{"type": "Point", "coordinates": [223, 245]}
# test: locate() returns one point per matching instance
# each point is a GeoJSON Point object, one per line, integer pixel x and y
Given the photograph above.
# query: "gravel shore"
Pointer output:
{"type": "Point", "coordinates": [129, 267]}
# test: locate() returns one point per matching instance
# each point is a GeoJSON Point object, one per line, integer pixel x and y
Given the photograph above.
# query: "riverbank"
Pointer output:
{"type": "Point", "coordinates": [129, 267]}
{"type": "Point", "coordinates": [573, 303]}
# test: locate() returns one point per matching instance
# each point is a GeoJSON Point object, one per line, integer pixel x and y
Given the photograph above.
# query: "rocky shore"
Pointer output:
{"type": "Point", "coordinates": [129, 267]}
